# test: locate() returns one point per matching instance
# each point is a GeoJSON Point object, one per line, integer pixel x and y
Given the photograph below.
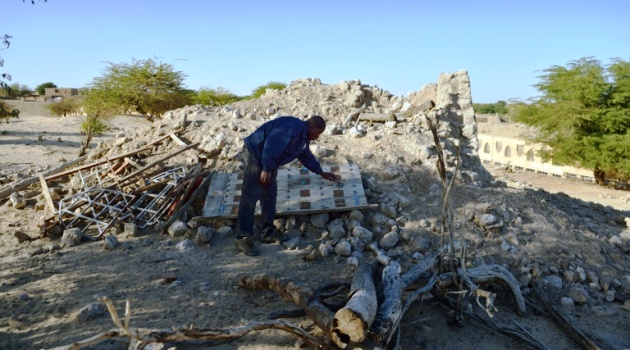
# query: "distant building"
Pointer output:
{"type": "Point", "coordinates": [58, 93]}
{"type": "Point", "coordinates": [504, 144]}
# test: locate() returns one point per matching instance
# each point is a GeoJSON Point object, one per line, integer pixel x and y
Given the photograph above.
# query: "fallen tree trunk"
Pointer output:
{"type": "Point", "coordinates": [304, 297]}
{"type": "Point", "coordinates": [378, 117]}
{"type": "Point", "coordinates": [391, 308]}
{"type": "Point", "coordinates": [351, 116]}
{"type": "Point", "coordinates": [352, 322]}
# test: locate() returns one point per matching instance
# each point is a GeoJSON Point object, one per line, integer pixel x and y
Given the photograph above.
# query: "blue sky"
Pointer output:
{"type": "Point", "coordinates": [399, 45]}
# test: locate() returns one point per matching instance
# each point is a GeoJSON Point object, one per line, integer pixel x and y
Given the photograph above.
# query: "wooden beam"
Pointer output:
{"type": "Point", "coordinates": [49, 202]}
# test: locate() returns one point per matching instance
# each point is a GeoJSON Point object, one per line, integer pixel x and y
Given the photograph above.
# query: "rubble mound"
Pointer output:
{"type": "Point", "coordinates": [577, 250]}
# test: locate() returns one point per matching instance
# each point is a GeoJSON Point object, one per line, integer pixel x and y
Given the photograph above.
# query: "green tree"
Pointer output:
{"type": "Point", "coordinates": [146, 87]}
{"type": "Point", "coordinates": [500, 107]}
{"type": "Point", "coordinates": [17, 90]}
{"type": "Point", "coordinates": [65, 107]}
{"type": "Point", "coordinates": [7, 111]}
{"type": "Point", "coordinates": [41, 88]}
{"type": "Point", "coordinates": [583, 115]}
{"type": "Point", "coordinates": [214, 97]}
{"type": "Point", "coordinates": [273, 85]}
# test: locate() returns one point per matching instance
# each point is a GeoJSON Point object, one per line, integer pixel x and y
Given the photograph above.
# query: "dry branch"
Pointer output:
{"type": "Point", "coordinates": [141, 337]}
{"type": "Point", "coordinates": [489, 274]}
{"type": "Point", "coordinates": [304, 297]}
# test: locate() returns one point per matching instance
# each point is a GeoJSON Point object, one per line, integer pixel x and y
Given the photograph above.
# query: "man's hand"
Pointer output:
{"type": "Point", "coordinates": [329, 176]}
{"type": "Point", "coordinates": [265, 178]}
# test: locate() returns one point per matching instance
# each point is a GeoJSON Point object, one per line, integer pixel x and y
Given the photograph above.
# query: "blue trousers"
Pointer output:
{"type": "Point", "coordinates": [253, 191]}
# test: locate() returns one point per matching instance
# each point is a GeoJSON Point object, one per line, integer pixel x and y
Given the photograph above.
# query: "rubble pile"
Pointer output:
{"type": "Point", "coordinates": [532, 233]}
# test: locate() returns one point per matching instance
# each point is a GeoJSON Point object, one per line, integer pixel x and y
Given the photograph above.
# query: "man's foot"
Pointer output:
{"type": "Point", "coordinates": [270, 235]}
{"type": "Point", "coordinates": [246, 245]}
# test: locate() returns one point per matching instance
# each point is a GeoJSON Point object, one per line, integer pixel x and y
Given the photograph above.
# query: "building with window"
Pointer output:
{"type": "Point", "coordinates": [506, 145]}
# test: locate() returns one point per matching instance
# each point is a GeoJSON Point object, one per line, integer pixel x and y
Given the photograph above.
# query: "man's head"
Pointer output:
{"type": "Point", "coordinates": [316, 126]}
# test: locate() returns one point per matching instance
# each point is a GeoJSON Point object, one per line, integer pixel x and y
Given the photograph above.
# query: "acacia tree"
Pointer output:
{"type": "Point", "coordinates": [583, 115]}
{"type": "Point", "coordinates": [273, 85]}
{"type": "Point", "coordinates": [146, 87]}
{"type": "Point", "coordinates": [41, 88]}
{"type": "Point", "coordinates": [214, 97]}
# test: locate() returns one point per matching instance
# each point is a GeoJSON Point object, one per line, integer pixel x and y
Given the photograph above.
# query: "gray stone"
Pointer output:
{"type": "Point", "coordinates": [204, 235]}
{"type": "Point", "coordinates": [554, 282]}
{"type": "Point", "coordinates": [387, 210]}
{"type": "Point", "coordinates": [326, 249]}
{"type": "Point", "coordinates": [343, 247]}
{"type": "Point", "coordinates": [357, 244]}
{"type": "Point", "coordinates": [569, 276]}
{"type": "Point", "coordinates": [130, 229]}
{"type": "Point", "coordinates": [389, 240]}
{"type": "Point", "coordinates": [356, 215]}
{"type": "Point", "coordinates": [178, 229]}
{"type": "Point", "coordinates": [89, 312]}
{"type": "Point", "coordinates": [110, 242]}
{"type": "Point", "coordinates": [363, 234]}
{"type": "Point", "coordinates": [579, 294]}
{"type": "Point", "coordinates": [565, 301]}
{"type": "Point", "coordinates": [319, 220]}
{"type": "Point", "coordinates": [336, 229]}
{"type": "Point", "coordinates": [224, 231]}
{"type": "Point", "coordinates": [185, 245]}
{"type": "Point", "coordinates": [292, 243]}
{"type": "Point", "coordinates": [71, 237]}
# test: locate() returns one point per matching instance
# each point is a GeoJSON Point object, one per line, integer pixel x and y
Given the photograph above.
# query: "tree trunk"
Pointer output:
{"type": "Point", "coordinates": [352, 322]}
{"type": "Point", "coordinates": [600, 176]}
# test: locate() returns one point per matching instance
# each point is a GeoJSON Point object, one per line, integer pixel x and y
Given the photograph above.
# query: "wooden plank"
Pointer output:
{"type": "Point", "coordinates": [49, 202]}
{"type": "Point", "coordinates": [214, 198]}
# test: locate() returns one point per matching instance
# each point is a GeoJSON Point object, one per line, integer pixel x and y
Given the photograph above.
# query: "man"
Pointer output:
{"type": "Point", "coordinates": [275, 143]}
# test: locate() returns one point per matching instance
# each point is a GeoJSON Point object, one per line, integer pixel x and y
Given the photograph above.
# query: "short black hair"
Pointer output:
{"type": "Point", "coordinates": [317, 121]}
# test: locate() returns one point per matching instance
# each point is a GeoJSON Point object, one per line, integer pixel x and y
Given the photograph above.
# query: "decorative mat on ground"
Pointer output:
{"type": "Point", "coordinates": [299, 192]}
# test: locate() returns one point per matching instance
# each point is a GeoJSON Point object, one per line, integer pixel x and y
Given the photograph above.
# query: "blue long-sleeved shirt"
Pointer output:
{"type": "Point", "coordinates": [279, 142]}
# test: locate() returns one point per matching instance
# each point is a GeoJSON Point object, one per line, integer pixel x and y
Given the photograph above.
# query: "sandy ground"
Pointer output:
{"type": "Point", "coordinates": [43, 286]}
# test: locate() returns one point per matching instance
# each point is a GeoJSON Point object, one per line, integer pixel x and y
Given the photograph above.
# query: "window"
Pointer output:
{"type": "Point", "coordinates": [508, 151]}
{"type": "Point", "coordinates": [499, 145]}
{"type": "Point", "coordinates": [486, 148]}
{"type": "Point", "coordinates": [530, 155]}
{"type": "Point", "coordinates": [519, 150]}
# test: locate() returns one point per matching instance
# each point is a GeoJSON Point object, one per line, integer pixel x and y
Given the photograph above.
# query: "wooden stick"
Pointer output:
{"type": "Point", "coordinates": [192, 198]}
{"type": "Point", "coordinates": [157, 162]}
{"type": "Point", "coordinates": [27, 182]}
{"type": "Point", "coordinates": [108, 159]}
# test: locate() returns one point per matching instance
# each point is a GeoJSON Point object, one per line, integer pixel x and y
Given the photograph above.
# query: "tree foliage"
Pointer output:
{"type": "Point", "coordinates": [583, 115]}
{"type": "Point", "coordinates": [7, 111]}
{"type": "Point", "coordinates": [500, 107]}
{"type": "Point", "coordinates": [214, 97]}
{"type": "Point", "coordinates": [65, 107]}
{"type": "Point", "coordinates": [273, 85]}
{"type": "Point", "coordinates": [41, 88]}
{"type": "Point", "coordinates": [147, 87]}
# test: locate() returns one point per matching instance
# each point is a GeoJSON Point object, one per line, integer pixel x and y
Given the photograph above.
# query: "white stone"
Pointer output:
{"type": "Point", "coordinates": [178, 229]}
{"type": "Point", "coordinates": [343, 247]}
{"type": "Point", "coordinates": [71, 237]}
{"type": "Point", "coordinates": [390, 240]}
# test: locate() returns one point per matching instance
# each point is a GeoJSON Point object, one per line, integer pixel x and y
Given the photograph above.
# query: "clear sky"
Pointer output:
{"type": "Point", "coordinates": [398, 45]}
